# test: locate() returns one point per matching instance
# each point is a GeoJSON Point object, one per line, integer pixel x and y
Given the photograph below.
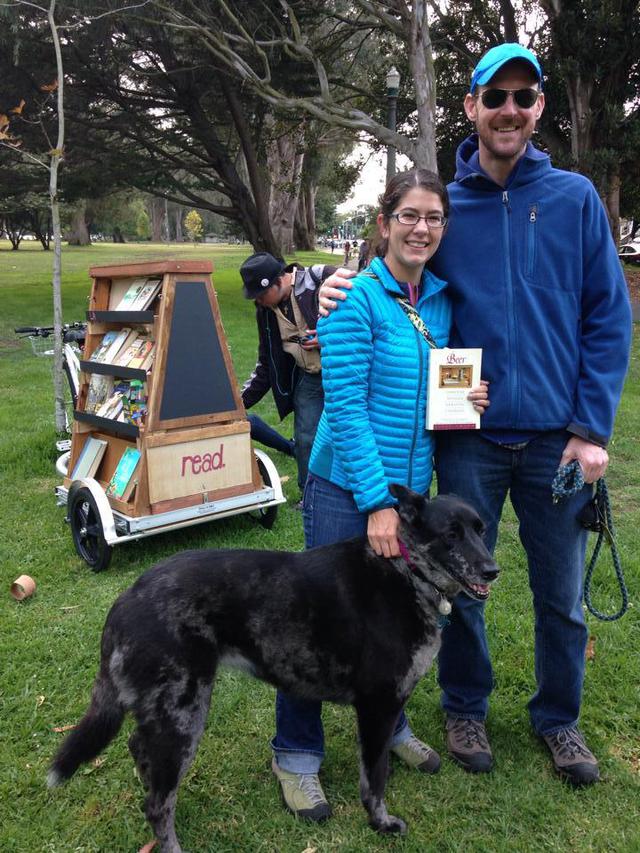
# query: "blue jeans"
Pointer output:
{"type": "Point", "coordinates": [267, 435]}
{"type": "Point", "coordinates": [308, 403]}
{"type": "Point", "coordinates": [330, 515]}
{"type": "Point", "coordinates": [483, 473]}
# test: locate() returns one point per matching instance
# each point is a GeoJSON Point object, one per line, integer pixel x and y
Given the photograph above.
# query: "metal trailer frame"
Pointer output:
{"type": "Point", "coordinates": [117, 528]}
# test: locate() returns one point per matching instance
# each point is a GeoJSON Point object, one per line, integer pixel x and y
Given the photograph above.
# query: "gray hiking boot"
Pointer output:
{"type": "Point", "coordinates": [468, 744]}
{"type": "Point", "coordinates": [302, 794]}
{"type": "Point", "coordinates": [417, 754]}
{"type": "Point", "coordinates": [572, 758]}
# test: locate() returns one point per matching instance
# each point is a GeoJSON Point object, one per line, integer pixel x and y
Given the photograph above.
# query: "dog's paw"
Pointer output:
{"type": "Point", "coordinates": [391, 826]}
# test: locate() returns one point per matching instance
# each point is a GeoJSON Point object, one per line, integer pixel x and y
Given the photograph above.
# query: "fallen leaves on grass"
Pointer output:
{"type": "Point", "coordinates": [148, 847]}
{"type": "Point", "coordinates": [65, 728]}
{"type": "Point", "coordinates": [591, 649]}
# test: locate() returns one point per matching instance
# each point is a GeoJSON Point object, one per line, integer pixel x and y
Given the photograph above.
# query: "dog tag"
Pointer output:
{"type": "Point", "coordinates": [444, 607]}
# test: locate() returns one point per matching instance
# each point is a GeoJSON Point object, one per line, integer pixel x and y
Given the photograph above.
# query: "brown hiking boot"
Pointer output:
{"type": "Point", "coordinates": [468, 744]}
{"type": "Point", "coordinates": [572, 758]}
{"type": "Point", "coordinates": [418, 754]}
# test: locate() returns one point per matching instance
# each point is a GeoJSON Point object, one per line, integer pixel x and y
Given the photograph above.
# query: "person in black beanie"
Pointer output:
{"type": "Point", "coordinates": [286, 299]}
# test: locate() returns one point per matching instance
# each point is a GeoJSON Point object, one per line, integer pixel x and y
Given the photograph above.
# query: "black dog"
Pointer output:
{"type": "Point", "coordinates": [335, 624]}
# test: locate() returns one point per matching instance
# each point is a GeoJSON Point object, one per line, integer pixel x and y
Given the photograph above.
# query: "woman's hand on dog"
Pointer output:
{"type": "Point", "coordinates": [480, 396]}
{"type": "Point", "coordinates": [382, 531]}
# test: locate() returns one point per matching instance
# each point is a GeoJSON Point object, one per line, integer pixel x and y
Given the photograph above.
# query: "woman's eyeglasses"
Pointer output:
{"type": "Point", "coordinates": [492, 99]}
{"type": "Point", "coordinates": [406, 217]}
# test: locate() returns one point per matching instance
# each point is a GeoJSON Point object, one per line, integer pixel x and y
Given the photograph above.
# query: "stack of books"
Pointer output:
{"type": "Point", "coordinates": [140, 294]}
{"type": "Point", "coordinates": [124, 401]}
{"type": "Point", "coordinates": [126, 348]}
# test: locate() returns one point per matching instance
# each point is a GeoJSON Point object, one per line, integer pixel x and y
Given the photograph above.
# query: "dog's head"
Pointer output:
{"type": "Point", "coordinates": [443, 538]}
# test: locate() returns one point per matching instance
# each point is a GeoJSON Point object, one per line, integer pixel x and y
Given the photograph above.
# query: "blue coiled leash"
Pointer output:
{"type": "Point", "coordinates": [596, 517]}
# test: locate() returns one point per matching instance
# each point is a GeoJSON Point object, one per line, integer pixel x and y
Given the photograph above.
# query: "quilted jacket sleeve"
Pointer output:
{"type": "Point", "coordinates": [347, 341]}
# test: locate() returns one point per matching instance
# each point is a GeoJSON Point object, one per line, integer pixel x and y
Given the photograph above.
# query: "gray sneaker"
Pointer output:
{"type": "Point", "coordinates": [302, 794]}
{"type": "Point", "coordinates": [572, 758]}
{"type": "Point", "coordinates": [417, 754]}
{"type": "Point", "coordinates": [468, 744]}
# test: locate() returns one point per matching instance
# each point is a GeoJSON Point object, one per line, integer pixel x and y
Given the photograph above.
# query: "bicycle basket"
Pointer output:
{"type": "Point", "coordinates": [42, 347]}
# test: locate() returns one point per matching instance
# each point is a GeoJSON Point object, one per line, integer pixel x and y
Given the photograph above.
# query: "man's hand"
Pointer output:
{"type": "Point", "coordinates": [382, 531]}
{"type": "Point", "coordinates": [592, 459]}
{"type": "Point", "coordinates": [311, 341]}
{"type": "Point", "coordinates": [330, 291]}
{"type": "Point", "coordinates": [480, 396]}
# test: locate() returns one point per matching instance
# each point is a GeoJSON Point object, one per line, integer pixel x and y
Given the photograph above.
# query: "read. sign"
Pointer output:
{"type": "Point", "coordinates": [194, 467]}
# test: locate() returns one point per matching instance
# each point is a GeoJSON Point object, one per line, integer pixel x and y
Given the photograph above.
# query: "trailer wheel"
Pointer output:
{"type": "Point", "coordinates": [265, 516]}
{"type": "Point", "coordinates": [86, 531]}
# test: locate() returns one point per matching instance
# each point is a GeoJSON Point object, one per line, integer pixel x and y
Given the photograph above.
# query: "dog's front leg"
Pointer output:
{"type": "Point", "coordinates": [376, 723]}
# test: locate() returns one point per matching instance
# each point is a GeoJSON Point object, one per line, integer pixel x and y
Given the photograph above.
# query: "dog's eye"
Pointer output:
{"type": "Point", "coordinates": [454, 534]}
{"type": "Point", "coordinates": [479, 528]}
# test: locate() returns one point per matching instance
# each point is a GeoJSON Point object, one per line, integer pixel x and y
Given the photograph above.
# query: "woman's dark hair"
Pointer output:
{"type": "Point", "coordinates": [401, 184]}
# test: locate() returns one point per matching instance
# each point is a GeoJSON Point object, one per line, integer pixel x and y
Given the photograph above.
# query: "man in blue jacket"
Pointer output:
{"type": "Point", "coordinates": [535, 281]}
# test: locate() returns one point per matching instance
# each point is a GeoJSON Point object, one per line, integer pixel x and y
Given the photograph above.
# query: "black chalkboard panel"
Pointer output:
{"type": "Point", "coordinates": [196, 380]}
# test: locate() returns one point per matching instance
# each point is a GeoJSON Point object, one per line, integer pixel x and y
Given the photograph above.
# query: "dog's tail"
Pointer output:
{"type": "Point", "coordinates": [95, 730]}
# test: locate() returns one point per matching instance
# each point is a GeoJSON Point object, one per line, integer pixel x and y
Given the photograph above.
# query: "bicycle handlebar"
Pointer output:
{"type": "Point", "coordinates": [45, 331]}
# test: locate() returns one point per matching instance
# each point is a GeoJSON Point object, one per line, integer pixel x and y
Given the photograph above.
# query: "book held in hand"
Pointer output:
{"type": "Point", "coordinates": [89, 459]}
{"type": "Point", "coordinates": [452, 374]}
{"type": "Point", "coordinates": [122, 483]}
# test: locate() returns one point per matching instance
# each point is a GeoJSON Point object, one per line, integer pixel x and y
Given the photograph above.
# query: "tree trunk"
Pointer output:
{"type": "Point", "coordinates": [284, 164]}
{"type": "Point", "coordinates": [156, 211]}
{"type": "Point", "coordinates": [177, 221]}
{"type": "Point", "coordinates": [304, 226]}
{"type": "Point", "coordinates": [579, 93]}
{"type": "Point", "coordinates": [78, 233]}
{"type": "Point", "coordinates": [423, 74]}
{"type": "Point", "coordinates": [612, 204]}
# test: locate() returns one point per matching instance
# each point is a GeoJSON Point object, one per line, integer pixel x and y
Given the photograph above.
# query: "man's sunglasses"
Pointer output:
{"type": "Point", "coordinates": [492, 99]}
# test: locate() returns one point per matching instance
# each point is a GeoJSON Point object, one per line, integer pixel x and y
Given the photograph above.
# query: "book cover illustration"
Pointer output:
{"type": "Point", "coordinates": [147, 294]}
{"type": "Point", "coordinates": [452, 374]}
{"type": "Point", "coordinates": [138, 359]}
{"type": "Point", "coordinates": [120, 357]}
{"type": "Point", "coordinates": [100, 389]}
{"type": "Point", "coordinates": [103, 347]}
{"type": "Point", "coordinates": [133, 291]}
{"type": "Point", "coordinates": [116, 346]}
{"type": "Point", "coordinates": [89, 459]}
{"type": "Point", "coordinates": [121, 480]}
{"type": "Point", "coordinates": [133, 351]}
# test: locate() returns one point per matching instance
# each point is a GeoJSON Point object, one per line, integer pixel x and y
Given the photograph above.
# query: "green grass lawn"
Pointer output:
{"type": "Point", "coordinates": [229, 801]}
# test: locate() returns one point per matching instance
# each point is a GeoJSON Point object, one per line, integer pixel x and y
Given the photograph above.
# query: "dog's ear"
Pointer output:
{"type": "Point", "coordinates": [410, 503]}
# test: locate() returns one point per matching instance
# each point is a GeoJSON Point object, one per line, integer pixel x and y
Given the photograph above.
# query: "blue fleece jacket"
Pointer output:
{"type": "Point", "coordinates": [374, 372]}
{"type": "Point", "coordinates": [535, 281]}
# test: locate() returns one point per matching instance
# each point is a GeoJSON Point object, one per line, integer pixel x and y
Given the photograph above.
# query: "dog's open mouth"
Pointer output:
{"type": "Point", "coordinates": [479, 591]}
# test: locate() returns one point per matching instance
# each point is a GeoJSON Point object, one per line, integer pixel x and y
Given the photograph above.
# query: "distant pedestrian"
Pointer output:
{"type": "Point", "coordinates": [363, 255]}
{"type": "Point", "coordinates": [347, 250]}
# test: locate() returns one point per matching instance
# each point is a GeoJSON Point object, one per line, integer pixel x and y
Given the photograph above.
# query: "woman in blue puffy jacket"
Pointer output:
{"type": "Point", "coordinates": [372, 433]}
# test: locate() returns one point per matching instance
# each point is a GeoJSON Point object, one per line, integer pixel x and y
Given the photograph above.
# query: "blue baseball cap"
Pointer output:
{"type": "Point", "coordinates": [494, 59]}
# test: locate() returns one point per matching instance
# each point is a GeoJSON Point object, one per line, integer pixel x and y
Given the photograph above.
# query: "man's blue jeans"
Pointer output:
{"type": "Point", "coordinates": [483, 473]}
{"type": "Point", "coordinates": [330, 515]}
{"type": "Point", "coordinates": [308, 403]}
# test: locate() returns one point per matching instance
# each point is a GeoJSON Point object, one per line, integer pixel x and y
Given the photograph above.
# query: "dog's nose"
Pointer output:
{"type": "Point", "coordinates": [490, 572]}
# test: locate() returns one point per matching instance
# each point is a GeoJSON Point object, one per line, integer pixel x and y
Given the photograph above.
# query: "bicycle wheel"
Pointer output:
{"type": "Point", "coordinates": [86, 531]}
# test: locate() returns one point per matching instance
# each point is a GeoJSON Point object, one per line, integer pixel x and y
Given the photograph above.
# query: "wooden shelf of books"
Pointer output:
{"type": "Point", "coordinates": [160, 423]}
